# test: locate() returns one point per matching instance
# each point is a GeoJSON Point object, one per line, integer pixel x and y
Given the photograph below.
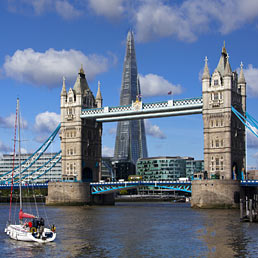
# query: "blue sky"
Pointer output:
{"type": "Point", "coordinates": [43, 40]}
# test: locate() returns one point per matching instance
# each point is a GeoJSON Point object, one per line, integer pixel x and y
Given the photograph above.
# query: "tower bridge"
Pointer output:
{"type": "Point", "coordinates": [223, 108]}
{"type": "Point", "coordinates": [82, 116]}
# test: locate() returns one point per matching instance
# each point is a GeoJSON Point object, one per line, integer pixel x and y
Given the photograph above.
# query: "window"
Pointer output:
{"type": "Point", "coordinates": [211, 123]}
{"type": "Point", "coordinates": [70, 99]}
{"type": "Point", "coordinates": [216, 82]}
{"type": "Point", "coordinates": [217, 143]}
{"type": "Point", "coordinates": [217, 123]}
{"type": "Point", "coordinates": [221, 143]}
{"type": "Point", "coordinates": [216, 96]}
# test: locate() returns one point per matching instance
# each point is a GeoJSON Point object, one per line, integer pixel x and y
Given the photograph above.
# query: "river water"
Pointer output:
{"type": "Point", "coordinates": [154, 229]}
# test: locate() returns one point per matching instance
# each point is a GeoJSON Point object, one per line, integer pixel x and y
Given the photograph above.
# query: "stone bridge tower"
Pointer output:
{"type": "Point", "coordinates": [224, 134]}
{"type": "Point", "coordinates": [80, 138]}
{"type": "Point", "coordinates": [224, 137]}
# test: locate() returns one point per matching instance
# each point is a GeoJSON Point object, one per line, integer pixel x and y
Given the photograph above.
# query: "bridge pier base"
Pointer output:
{"type": "Point", "coordinates": [75, 193]}
{"type": "Point", "coordinates": [215, 194]}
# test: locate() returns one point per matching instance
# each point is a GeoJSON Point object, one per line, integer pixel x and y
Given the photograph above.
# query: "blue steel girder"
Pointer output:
{"type": "Point", "coordinates": [108, 187]}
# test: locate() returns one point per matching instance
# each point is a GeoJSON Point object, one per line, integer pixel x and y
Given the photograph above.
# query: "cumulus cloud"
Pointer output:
{"type": "Point", "coordinates": [9, 122]}
{"type": "Point", "coordinates": [153, 130]}
{"type": "Point", "coordinates": [107, 152]}
{"type": "Point", "coordinates": [187, 19]}
{"type": "Point", "coordinates": [110, 9]}
{"type": "Point", "coordinates": [46, 122]}
{"type": "Point", "coordinates": [251, 76]}
{"type": "Point", "coordinates": [65, 8]}
{"type": "Point", "coordinates": [155, 85]}
{"type": "Point", "coordinates": [48, 68]}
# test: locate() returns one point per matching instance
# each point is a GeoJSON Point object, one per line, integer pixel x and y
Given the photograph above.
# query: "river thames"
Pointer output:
{"type": "Point", "coordinates": [154, 229]}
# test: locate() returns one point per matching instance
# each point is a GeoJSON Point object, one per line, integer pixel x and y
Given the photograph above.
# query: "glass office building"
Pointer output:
{"type": "Point", "coordinates": [130, 138]}
{"type": "Point", "coordinates": [168, 168]}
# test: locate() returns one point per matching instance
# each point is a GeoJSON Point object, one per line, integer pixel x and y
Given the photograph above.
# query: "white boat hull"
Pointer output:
{"type": "Point", "coordinates": [19, 232]}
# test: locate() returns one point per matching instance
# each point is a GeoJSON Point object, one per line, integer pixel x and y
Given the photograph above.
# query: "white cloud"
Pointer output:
{"type": "Point", "coordinates": [9, 122]}
{"type": "Point", "coordinates": [251, 76]}
{"type": "Point", "coordinates": [110, 9]}
{"type": "Point", "coordinates": [153, 130]}
{"type": "Point", "coordinates": [46, 122]}
{"type": "Point", "coordinates": [48, 68]}
{"type": "Point", "coordinates": [65, 8]}
{"type": "Point", "coordinates": [107, 152]}
{"type": "Point", "coordinates": [186, 19]}
{"type": "Point", "coordinates": [155, 85]}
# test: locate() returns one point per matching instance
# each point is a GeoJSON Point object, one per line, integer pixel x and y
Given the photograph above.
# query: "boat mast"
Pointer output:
{"type": "Point", "coordinates": [19, 151]}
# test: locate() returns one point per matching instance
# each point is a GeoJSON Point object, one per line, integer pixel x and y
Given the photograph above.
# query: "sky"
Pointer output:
{"type": "Point", "coordinates": [43, 40]}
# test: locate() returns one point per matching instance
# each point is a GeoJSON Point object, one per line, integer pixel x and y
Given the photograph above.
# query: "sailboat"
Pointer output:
{"type": "Point", "coordinates": [34, 229]}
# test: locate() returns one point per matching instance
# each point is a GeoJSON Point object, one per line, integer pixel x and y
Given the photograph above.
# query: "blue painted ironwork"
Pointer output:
{"type": "Point", "coordinates": [108, 187]}
{"type": "Point", "coordinates": [16, 186]}
{"type": "Point", "coordinates": [33, 158]}
{"type": "Point", "coordinates": [250, 183]}
{"type": "Point", "coordinates": [247, 120]}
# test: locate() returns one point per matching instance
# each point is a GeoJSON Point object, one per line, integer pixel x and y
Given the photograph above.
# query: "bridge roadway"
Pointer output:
{"type": "Point", "coordinates": [139, 110]}
{"type": "Point", "coordinates": [109, 187]}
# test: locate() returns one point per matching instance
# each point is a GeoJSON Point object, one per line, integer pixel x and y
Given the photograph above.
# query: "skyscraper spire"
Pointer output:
{"type": "Point", "coordinates": [130, 139]}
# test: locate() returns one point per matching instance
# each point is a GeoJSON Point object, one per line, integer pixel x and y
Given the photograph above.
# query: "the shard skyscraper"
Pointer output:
{"type": "Point", "coordinates": [130, 136]}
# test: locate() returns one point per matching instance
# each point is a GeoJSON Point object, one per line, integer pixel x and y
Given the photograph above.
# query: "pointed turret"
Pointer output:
{"type": "Point", "coordinates": [63, 92]}
{"type": "Point", "coordinates": [206, 72]}
{"type": "Point", "coordinates": [81, 83]}
{"type": "Point", "coordinates": [222, 61]}
{"type": "Point", "coordinates": [99, 97]}
{"type": "Point", "coordinates": [228, 71]}
{"type": "Point", "coordinates": [241, 78]}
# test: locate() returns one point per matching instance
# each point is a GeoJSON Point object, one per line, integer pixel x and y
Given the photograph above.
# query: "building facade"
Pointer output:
{"type": "Point", "coordinates": [130, 138]}
{"type": "Point", "coordinates": [36, 173]}
{"type": "Point", "coordinates": [167, 168]}
{"type": "Point", "coordinates": [224, 134]}
{"type": "Point", "coordinates": [80, 138]}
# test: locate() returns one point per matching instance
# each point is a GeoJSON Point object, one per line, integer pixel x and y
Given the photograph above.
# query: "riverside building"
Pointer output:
{"type": "Point", "coordinates": [53, 174]}
{"type": "Point", "coordinates": [168, 168]}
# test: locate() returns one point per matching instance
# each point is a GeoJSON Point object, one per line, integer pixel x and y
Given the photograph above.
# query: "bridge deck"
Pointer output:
{"type": "Point", "coordinates": [139, 110]}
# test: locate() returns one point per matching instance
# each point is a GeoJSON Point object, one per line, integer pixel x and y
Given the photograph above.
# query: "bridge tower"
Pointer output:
{"type": "Point", "coordinates": [80, 138]}
{"type": "Point", "coordinates": [224, 136]}
{"type": "Point", "coordinates": [80, 146]}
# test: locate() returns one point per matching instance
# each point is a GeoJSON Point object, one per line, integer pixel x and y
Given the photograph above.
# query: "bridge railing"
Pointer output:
{"type": "Point", "coordinates": [141, 107]}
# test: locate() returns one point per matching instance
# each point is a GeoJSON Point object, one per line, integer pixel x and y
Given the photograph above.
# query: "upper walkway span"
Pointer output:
{"type": "Point", "coordinates": [139, 110]}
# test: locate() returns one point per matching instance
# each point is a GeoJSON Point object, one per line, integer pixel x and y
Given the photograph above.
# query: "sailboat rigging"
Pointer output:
{"type": "Point", "coordinates": [34, 230]}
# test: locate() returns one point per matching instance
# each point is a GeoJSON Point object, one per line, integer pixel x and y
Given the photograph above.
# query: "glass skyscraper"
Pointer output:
{"type": "Point", "coordinates": [130, 138]}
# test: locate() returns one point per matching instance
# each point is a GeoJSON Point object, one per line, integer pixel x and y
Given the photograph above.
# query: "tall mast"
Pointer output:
{"type": "Point", "coordinates": [19, 151]}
